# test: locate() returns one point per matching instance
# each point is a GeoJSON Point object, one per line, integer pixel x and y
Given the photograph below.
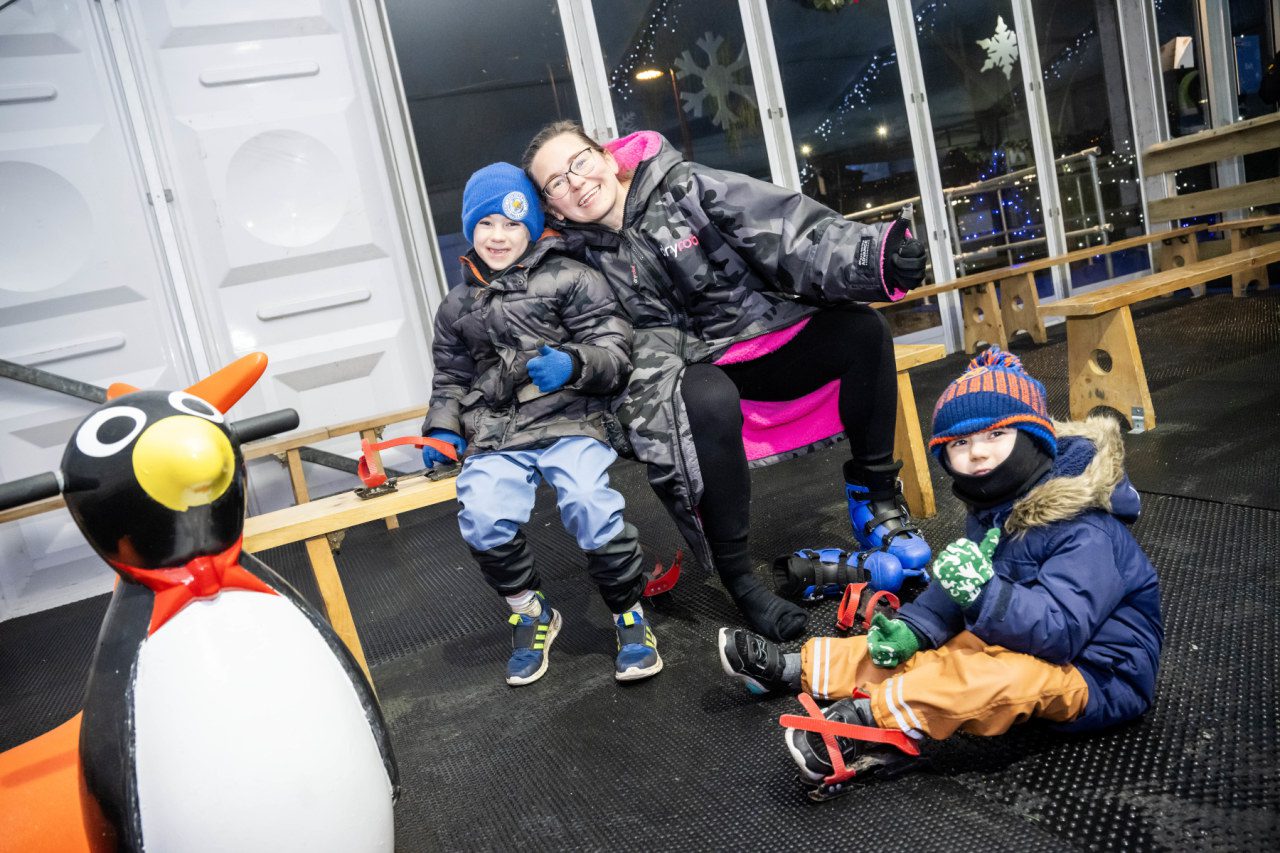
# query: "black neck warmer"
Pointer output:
{"type": "Point", "coordinates": [1026, 465]}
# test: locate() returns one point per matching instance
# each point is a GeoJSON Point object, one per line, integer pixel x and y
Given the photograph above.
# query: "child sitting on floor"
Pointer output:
{"type": "Point", "coordinates": [1055, 614]}
{"type": "Point", "coordinates": [530, 354]}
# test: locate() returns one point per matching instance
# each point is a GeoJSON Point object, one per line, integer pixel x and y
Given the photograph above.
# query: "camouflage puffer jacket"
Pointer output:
{"type": "Point", "coordinates": [486, 333]}
{"type": "Point", "coordinates": [705, 259]}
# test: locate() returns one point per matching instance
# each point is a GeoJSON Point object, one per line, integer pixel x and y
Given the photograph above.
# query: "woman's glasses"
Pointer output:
{"type": "Point", "coordinates": [584, 163]}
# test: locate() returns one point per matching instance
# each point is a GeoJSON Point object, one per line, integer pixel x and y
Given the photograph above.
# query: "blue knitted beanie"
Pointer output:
{"type": "Point", "coordinates": [505, 189]}
{"type": "Point", "coordinates": [994, 391]}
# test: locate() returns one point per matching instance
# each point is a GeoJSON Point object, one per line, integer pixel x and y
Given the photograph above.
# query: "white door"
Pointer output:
{"type": "Point", "coordinates": [82, 290]}
{"type": "Point", "coordinates": [251, 124]}
{"type": "Point", "coordinates": [290, 233]}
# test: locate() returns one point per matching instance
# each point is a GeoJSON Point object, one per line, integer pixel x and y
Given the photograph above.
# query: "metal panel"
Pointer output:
{"type": "Point", "coordinates": [283, 198]}
{"type": "Point", "coordinates": [82, 290]}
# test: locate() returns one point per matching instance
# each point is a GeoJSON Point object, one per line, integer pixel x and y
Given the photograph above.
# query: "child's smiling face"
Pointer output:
{"type": "Point", "coordinates": [500, 241]}
{"type": "Point", "coordinates": [980, 453]}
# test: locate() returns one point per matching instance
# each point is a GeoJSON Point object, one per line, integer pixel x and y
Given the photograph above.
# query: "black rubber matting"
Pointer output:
{"type": "Point", "coordinates": [688, 760]}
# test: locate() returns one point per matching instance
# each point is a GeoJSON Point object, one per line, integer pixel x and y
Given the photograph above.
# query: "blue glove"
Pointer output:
{"type": "Point", "coordinates": [431, 456]}
{"type": "Point", "coordinates": [550, 369]}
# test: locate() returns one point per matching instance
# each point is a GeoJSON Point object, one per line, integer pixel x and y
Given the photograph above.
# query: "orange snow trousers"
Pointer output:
{"type": "Point", "coordinates": [965, 685]}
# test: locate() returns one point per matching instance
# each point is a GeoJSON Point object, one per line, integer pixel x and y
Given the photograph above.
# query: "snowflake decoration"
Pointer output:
{"type": "Point", "coordinates": [719, 81]}
{"type": "Point", "coordinates": [1001, 48]}
{"type": "Point", "coordinates": [628, 122]}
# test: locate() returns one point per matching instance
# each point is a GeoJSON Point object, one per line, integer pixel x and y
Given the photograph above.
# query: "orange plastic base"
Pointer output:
{"type": "Point", "coordinates": [40, 794]}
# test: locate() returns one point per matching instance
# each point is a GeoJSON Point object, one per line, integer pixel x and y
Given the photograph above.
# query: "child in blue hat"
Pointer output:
{"type": "Point", "coordinates": [1048, 609]}
{"type": "Point", "coordinates": [530, 359]}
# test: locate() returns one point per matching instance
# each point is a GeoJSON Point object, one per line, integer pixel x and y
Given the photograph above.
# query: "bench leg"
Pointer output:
{"type": "Point", "coordinates": [375, 464]}
{"type": "Point", "coordinates": [982, 320]}
{"type": "Point", "coordinates": [1240, 281]}
{"type": "Point", "coordinates": [1178, 252]}
{"type": "Point", "coordinates": [1123, 387]}
{"type": "Point", "coordinates": [335, 598]}
{"type": "Point", "coordinates": [1018, 304]}
{"type": "Point", "coordinates": [908, 445]}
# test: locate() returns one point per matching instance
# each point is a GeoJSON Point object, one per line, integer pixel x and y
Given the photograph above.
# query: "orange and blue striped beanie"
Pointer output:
{"type": "Point", "coordinates": [994, 391]}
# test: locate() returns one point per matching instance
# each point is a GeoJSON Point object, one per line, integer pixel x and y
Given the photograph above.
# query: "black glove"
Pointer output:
{"type": "Point", "coordinates": [907, 264]}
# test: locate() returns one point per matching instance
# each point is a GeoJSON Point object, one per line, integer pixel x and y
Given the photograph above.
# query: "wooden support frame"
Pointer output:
{"type": "Point", "coordinates": [908, 442]}
{"type": "Point", "coordinates": [1242, 239]}
{"type": "Point", "coordinates": [1104, 368]}
{"type": "Point", "coordinates": [1020, 307]}
{"type": "Point", "coordinates": [982, 318]}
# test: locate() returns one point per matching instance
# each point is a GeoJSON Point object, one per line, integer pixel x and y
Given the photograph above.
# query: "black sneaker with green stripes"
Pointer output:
{"type": "Point", "coordinates": [531, 638]}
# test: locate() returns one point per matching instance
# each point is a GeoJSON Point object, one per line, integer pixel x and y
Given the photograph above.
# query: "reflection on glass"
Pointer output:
{"type": "Point", "coordinates": [480, 82]}
{"type": "Point", "coordinates": [970, 55]}
{"type": "Point", "coordinates": [1083, 70]}
{"type": "Point", "coordinates": [680, 67]}
{"type": "Point", "coordinates": [848, 119]}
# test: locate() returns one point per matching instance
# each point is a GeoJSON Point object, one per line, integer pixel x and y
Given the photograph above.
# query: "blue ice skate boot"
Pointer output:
{"type": "Point", "coordinates": [879, 515]}
{"type": "Point", "coordinates": [531, 638]}
{"type": "Point", "coordinates": [637, 648]}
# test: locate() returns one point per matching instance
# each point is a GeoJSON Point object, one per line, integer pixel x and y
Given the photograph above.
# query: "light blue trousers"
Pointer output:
{"type": "Point", "coordinates": [496, 492]}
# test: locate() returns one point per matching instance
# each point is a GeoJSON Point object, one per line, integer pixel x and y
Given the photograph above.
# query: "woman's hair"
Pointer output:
{"type": "Point", "coordinates": [550, 132]}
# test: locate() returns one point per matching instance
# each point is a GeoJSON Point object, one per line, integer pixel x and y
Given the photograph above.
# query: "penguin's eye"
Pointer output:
{"type": "Point", "coordinates": [193, 405]}
{"type": "Point", "coordinates": [106, 431]}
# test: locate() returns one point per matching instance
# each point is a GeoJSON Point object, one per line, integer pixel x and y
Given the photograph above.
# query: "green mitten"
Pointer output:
{"type": "Point", "coordinates": [963, 568]}
{"type": "Point", "coordinates": [891, 642]}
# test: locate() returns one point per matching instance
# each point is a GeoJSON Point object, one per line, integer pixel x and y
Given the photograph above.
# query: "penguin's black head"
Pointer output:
{"type": "Point", "coordinates": [155, 479]}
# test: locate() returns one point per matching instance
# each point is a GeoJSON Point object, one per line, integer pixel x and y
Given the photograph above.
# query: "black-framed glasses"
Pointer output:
{"type": "Point", "coordinates": [584, 163]}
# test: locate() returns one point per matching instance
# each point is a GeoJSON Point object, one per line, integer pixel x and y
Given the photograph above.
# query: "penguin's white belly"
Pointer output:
{"type": "Point", "coordinates": [250, 736]}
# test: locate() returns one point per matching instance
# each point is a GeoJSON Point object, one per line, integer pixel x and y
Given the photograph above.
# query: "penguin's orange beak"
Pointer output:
{"type": "Point", "coordinates": [184, 461]}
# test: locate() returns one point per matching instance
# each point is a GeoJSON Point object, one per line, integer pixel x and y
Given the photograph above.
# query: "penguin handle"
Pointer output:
{"type": "Point", "coordinates": [28, 489]}
{"type": "Point", "coordinates": [261, 426]}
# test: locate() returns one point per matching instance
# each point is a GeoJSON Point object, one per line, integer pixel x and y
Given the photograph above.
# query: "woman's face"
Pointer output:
{"type": "Point", "coordinates": [587, 178]}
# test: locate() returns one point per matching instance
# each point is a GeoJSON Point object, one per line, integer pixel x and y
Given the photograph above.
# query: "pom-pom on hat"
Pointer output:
{"type": "Point", "coordinates": [994, 391]}
{"type": "Point", "coordinates": [505, 189]}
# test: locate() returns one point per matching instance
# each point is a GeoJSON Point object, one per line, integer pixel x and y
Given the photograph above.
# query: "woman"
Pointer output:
{"type": "Point", "coordinates": [739, 290]}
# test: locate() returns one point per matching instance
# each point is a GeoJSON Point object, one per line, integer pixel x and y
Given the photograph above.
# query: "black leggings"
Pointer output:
{"type": "Point", "coordinates": [851, 344]}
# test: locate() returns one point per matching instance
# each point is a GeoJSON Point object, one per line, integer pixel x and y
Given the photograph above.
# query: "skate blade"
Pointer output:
{"type": "Point", "coordinates": [867, 774]}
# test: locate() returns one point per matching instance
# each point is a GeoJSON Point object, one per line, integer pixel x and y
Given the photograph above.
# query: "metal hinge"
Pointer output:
{"type": "Point", "coordinates": [168, 197]}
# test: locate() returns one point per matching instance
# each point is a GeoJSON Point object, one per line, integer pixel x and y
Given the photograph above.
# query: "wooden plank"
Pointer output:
{"type": "Point", "coordinates": [1116, 296]}
{"type": "Point", "coordinates": [907, 356]}
{"type": "Point", "coordinates": [1240, 281]}
{"type": "Point", "coordinates": [908, 445]}
{"type": "Point", "coordinates": [297, 479]}
{"type": "Point", "coordinates": [280, 444]}
{"type": "Point", "coordinates": [1122, 386]}
{"type": "Point", "coordinates": [998, 273]}
{"type": "Point", "coordinates": [33, 508]}
{"type": "Point", "coordinates": [1210, 146]}
{"type": "Point", "coordinates": [338, 512]}
{"type": "Point", "coordinates": [1241, 196]}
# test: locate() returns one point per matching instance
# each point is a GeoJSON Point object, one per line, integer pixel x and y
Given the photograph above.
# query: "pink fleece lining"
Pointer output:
{"type": "Point", "coordinates": [770, 428]}
{"type": "Point", "coordinates": [630, 150]}
{"type": "Point", "coordinates": [896, 293]}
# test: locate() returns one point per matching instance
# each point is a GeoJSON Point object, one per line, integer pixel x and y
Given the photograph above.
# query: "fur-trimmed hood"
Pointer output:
{"type": "Point", "coordinates": [1087, 474]}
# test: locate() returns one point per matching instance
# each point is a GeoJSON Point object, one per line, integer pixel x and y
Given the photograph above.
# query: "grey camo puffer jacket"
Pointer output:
{"type": "Point", "coordinates": [707, 258]}
{"type": "Point", "coordinates": [486, 333]}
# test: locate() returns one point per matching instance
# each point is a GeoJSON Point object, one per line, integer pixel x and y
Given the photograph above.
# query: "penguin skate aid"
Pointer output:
{"type": "Point", "coordinates": [155, 480]}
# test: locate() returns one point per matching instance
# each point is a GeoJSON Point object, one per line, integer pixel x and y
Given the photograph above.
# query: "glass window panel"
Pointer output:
{"type": "Point", "coordinates": [1084, 85]}
{"type": "Point", "coordinates": [969, 52]}
{"type": "Point", "coordinates": [848, 120]}
{"type": "Point", "coordinates": [480, 80]}
{"type": "Point", "coordinates": [1254, 51]}
{"type": "Point", "coordinates": [1186, 91]}
{"type": "Point", "coordinates": [680, 67]}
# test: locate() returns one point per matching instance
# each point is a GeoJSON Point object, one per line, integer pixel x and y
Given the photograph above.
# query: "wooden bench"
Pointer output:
{"type": "Point", "coordinates": [1103, 361]}
{"type": "Point", "coordinates": [1104, 364]}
